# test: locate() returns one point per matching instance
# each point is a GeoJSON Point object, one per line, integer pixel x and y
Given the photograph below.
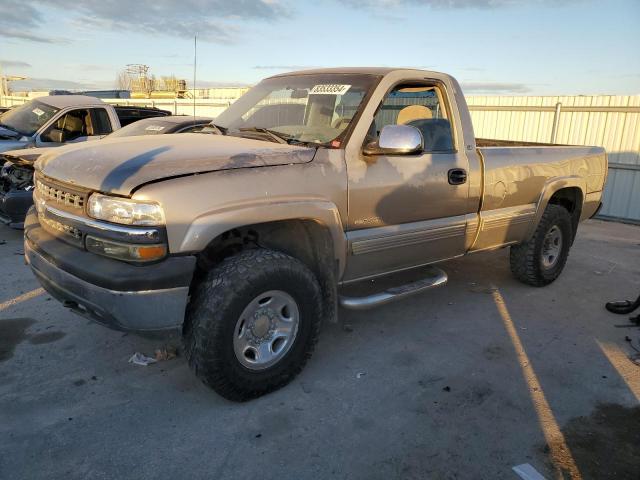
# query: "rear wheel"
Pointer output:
{"type": "Point", "coordinates": [540, 260]}
{"type": "Point", "coordinates": [253, 323]}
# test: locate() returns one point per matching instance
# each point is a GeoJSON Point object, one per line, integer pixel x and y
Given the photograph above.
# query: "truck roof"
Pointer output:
{"type": "Point", "coordinates": [61, 101]}
{"type": "Point", "coordinates": [351, 70]}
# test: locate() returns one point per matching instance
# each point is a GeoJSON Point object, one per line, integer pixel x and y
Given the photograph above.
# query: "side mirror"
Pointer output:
{"type": "Point", "coordinates": [396, 140]}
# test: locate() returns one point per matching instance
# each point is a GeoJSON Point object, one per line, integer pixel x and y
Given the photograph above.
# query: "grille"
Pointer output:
{"type": "Point", "coordinates": [59, 195]}
{"type": "Point", "coordinates": [61, 228]}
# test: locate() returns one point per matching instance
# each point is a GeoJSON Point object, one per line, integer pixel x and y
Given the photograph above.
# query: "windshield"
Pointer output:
{"type": "Point", "coordinates": [28, 118]}
{"type": "Point", "coordinates": [305, 108]}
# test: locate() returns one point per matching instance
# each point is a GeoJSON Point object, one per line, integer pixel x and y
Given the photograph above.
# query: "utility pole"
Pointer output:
{"type": "Point", "coordinates": [195, 62]}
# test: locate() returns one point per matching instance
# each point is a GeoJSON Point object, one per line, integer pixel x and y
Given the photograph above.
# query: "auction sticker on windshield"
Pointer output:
{"type": "Point", "coordinates": [37, 111]}
{"type": "Point", "coordinates": [154, 128]}
{"type": "Point", "coordinates": [329, 89]}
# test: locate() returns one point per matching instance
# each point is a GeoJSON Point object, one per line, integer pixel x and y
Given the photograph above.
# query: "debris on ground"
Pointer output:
{"type": "Point", "coordinates": [360, 374]}
{"type": "Point", "coordinates": [3, 242]}
{"type": "Point", "coordinates": [347, 328]}
{"type": "Point", "coordinates": [141, 359]}
{"type": "Point", "coordinates": [527, 472]}
{"type": "Point", "coordinates": [166, 353]}
{"type": "Point", "coordinates": [447, 388]}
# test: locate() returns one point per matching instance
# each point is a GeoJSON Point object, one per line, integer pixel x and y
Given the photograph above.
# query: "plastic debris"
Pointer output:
{"type": "Point", "coordinates": [166, 353]}
{"type": "Point", "coordinates": [141, 359]}
{"type": "Point", "coordinates": [527, 472]}
{"type": "Point", "coordinates": [360, 374]}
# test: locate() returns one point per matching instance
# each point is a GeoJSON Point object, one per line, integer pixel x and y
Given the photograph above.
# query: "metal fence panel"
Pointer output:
{"type": "Point", "coordinates": [609, 121]}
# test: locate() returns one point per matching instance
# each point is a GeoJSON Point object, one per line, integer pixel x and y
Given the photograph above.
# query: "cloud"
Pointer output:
{"type": "Point", "coordinates": [494, 87]}
{"type": "Point", "coordinates": [448, 4]}
{"type": "Point", "coordinates": [30, 37]}
{"type": "Point", "coordinates": [19, 19]}
{"type": "Point", "coordinates": [212, 20]}
{"type": "Point", "coordinates": [18, 12]}
{"type": "Point", "coordinates": [51, 84]}
{"type": "Point", "coordinates": [14, 64]}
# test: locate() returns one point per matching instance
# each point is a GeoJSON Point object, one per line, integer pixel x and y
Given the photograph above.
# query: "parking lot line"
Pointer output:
{"type": "Point", "coordinates": [560, 453]}
{"type": "Point", "coordinates": [626, 369]}
{"type": "Point", "coordinates": [21, 298]}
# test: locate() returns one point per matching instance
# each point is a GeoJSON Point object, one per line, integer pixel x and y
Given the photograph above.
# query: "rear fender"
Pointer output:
{"type": "Point", "coordinates": [552, 186]}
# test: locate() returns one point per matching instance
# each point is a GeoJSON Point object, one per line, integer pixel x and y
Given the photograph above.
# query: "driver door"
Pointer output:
{"type": "Point", "coordinates": [410, 209]}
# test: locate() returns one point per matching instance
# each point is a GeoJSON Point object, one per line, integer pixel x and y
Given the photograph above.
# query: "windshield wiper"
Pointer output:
{"type": "Point", "coordinates": [276, 136]}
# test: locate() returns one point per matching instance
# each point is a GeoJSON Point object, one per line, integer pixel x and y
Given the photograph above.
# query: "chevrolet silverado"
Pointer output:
{"type": "Point", "coordinates": [315, 181]}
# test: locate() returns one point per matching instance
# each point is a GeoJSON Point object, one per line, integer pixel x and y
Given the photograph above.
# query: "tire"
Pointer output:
{"type": "Point", "coordinates": [534, 262]}
{"type": "Point", "coordinates": [225, 345]}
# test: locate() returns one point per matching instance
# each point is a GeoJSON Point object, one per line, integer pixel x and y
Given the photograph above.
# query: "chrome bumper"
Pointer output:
{"type": "Point", "coordinates": [139, 311]}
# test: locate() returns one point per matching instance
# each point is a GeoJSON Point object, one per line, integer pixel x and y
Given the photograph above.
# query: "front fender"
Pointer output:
{"type": "Point", "coordinates": [209, 226]}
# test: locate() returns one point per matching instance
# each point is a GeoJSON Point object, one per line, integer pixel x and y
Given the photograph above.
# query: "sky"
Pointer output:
{"type": "Point", "coordinates": [500, 47]}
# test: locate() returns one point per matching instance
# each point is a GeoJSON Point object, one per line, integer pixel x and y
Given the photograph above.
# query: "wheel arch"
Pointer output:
{"type": "Point", "coordinates": [565, 191]}
{"type": "Point", "coordinates": [316, 238]}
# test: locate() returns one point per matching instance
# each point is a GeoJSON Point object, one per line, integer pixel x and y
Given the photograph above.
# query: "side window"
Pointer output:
{"type": "Point", "coordinates": [419, 106]}
{"type": "Point", "coordinates": [70, 126]}
{"type": "Point", "coordinates": [101, 122]}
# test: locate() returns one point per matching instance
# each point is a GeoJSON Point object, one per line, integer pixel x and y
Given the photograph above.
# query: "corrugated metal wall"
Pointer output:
{"type": "Point", "coordinates": [609, 121]}
{"type": "Point", "coordinates": [606, 120]}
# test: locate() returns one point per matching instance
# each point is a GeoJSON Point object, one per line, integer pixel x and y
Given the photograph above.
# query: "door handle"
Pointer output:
{"type": "Point", "coordinates": [457, 176]}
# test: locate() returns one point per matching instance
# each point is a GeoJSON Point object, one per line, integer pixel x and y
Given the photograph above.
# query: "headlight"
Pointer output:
{"type": "Point", "coordinates": [124, 210]}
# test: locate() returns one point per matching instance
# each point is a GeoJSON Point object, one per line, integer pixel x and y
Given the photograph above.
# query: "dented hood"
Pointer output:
{"type": "Point", "coordinates": [120, 165]}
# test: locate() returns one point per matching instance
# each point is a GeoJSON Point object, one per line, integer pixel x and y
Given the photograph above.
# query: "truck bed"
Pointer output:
{"type": "Point", "coordinates": [517, 173]}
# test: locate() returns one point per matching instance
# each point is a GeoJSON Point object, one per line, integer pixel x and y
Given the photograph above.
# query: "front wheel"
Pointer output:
{"type": "Point", "coordinates": [540, 260]}
{"type": "Point", "coordinates": [253, 322]}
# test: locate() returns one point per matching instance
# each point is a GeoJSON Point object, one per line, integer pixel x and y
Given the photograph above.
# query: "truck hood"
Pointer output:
{"type": "Point", "coordinates": [120, 165]}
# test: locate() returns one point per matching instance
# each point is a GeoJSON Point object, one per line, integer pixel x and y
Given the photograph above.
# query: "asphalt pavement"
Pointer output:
{"type": "Point", "coordinates": [463, 382]}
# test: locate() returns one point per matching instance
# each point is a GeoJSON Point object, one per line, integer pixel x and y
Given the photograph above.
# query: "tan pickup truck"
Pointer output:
{"type": "Point", "coordinates": [248, 237]}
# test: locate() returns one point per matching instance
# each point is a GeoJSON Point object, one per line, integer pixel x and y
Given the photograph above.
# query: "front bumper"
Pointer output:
{"type": "Point", "coordinates": [147, 298]}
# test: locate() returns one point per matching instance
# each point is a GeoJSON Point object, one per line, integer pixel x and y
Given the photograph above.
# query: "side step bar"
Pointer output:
{"type": "Point", "coordinates": [436, 278]}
